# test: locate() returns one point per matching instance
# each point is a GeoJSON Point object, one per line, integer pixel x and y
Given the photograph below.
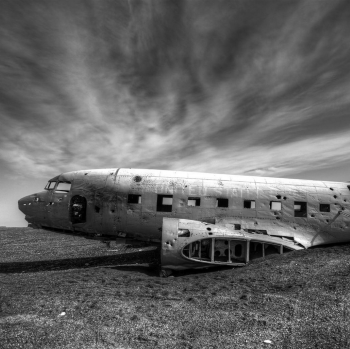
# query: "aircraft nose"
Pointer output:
{"type": "Point", "coordinates": [24, 202]}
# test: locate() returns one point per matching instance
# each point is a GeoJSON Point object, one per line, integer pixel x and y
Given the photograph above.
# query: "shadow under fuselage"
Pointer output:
{"type": "Point", "coordinates": [151, 257]}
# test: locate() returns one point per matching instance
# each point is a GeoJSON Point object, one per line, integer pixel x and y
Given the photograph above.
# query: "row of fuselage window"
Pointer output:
{"type": "Point", "coordinates": [165, 202]}
{"type": "Point", "coordinates": [223, 250]}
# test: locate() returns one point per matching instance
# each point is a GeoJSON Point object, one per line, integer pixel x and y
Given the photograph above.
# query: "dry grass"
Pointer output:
{"type": "Point", "coordinates": [297, 300]}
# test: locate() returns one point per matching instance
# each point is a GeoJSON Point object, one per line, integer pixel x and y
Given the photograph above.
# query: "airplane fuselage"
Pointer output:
{"type": "Point", "coordinates": [133, 203]}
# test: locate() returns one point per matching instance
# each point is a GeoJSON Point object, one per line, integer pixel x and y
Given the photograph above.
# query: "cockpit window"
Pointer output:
{"type": "Point", "coordinates": [50, 185]}
{"type": "Point", "coordinates": [63, 186]}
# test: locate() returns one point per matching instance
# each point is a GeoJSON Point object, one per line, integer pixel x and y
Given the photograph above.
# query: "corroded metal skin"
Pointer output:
{"type": "Point", "coordinates": [98, 202]}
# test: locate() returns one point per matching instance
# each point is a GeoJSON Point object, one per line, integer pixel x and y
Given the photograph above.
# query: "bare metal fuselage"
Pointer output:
{"type": "Point", "coordinates": [133, 203]}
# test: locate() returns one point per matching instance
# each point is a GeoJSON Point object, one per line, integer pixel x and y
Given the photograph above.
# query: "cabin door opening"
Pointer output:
{"type": "Point", "coordinates": [77, 209]}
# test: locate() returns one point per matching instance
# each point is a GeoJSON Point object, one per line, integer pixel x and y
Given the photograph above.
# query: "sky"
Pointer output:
{"type": "Point", "coordinates": [249, 87]}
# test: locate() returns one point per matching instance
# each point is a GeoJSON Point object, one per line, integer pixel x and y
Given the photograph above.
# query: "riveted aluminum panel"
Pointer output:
{"type": "Point", "coordinates": [266, 214]}
{"type": "Point", "coordinates": [235, 213]}
{"type": "Point", "coordinates": [192, 190]}
{"type": "Point", "coordinates": [180, 204]}
{"type": "Point", "coordinates": [215, 192]}
{"type": "Point", "coordinates": [235, 201]}
{"type": "Point", "coordinates": [288, 213]}
{"type": "Point", "coordinates": [208, 202]}
{"type": "Point", "coordinates": [149, 202]}
{"type": "Point", "coordinates": [335, 185]}
{"type": "Point", "coordinates": [235, 185]}
{"type": "Point", "coordinates": [249, 194]}
{"type": "Point", "coordinates": [301, 221]}
{"type": "Point", "coordinates": [323, 190]}
{"type": "Point", "coordinates": [246, 213]}
{"type": "Point", "coordinates": [262, 204]}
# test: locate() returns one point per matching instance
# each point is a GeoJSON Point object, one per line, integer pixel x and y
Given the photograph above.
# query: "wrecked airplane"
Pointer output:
{"type": "Point", "coordinates": [200, 219]}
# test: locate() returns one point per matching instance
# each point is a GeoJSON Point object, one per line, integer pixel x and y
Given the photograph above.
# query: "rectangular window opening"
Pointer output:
{"type": "Point", "coordinates": [63, 186]}
{"type": "Point", "coordinates": [249, 204]}
{"type": "Point", "coordinates": [195, 250]}
{"type": "Point", "coordinates": [271, 249]}
{"type": "Point", "coordinates": [221, 202]}
{"type": "Point", "coordinates": [164, 203]}
{"type": "Point", "coordinates": [325, 208]}
{"type": "Point", "coordinates": [237, 226]}
{"type": "Point", "coordinates": [134, 199]}
{"type": "Point", "coordinates": [300, 209]}
{"type": "Point", "coordinates": [183, 233]}
{"type": "Point", "coordinates": [275, 205]}
{"type": "Point", "coordinates": [256, 231]}
{"type": "Point", "coordinates": [206, 249]}
{"type": "Point", "coordinates": [50, 185]}
{"type": "Point", "coordinates": [256, 250]}
{"type": "Point", "coordinates": [194, 202]}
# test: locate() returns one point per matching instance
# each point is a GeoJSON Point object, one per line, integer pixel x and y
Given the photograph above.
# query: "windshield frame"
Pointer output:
{"type": "Point", "coordinates": [63, 190]}
{"type": "Point", "coordinates": [48, 185]}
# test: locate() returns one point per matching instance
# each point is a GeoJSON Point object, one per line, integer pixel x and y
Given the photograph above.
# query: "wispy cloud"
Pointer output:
{"type": "Point", "coordinates": [255, 87]}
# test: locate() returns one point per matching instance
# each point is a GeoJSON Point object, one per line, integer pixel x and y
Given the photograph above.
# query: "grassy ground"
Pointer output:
{"type": "Point", "coordinates": [297, 300]}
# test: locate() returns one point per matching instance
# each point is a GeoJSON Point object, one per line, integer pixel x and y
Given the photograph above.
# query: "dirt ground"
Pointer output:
{"type": "Point", "coordinates": [59, 290]}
